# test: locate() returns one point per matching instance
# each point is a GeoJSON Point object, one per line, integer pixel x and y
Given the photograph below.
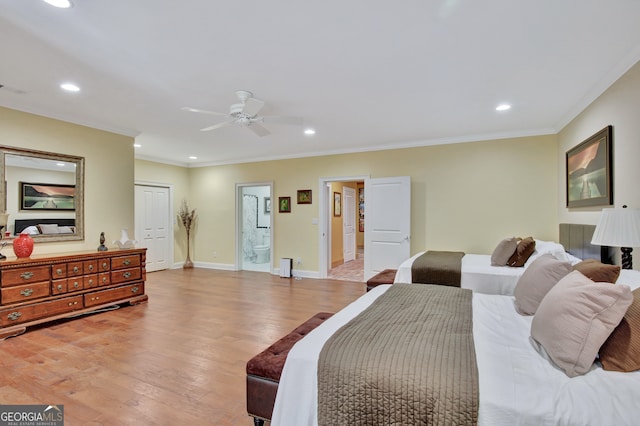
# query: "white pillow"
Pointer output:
{"type": "Point", "coordinates": [65, 230]}
{"type": "Point", "coordinates": [46, 228]}
{"type": "Point", "coordinates": [576, 317]}
{"type": "Point", "coordinates": [31, 230]}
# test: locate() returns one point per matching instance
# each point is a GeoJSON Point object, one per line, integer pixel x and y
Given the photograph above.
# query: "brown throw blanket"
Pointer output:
{"type": "Point", "coordinates": [408, 359]}
{"type": "Point", "coordinates": [438, 267]}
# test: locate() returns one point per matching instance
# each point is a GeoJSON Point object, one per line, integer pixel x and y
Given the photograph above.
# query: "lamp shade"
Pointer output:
{"type": "Point", "coordinates": [618, 228]}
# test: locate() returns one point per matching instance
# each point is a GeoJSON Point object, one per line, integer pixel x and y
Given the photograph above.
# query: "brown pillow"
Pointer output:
{"type": "Point", "coordinates": [536, 281]}
{"type": "Point", "coordinates": [503, 251]}
{"type": "Point", "coordinates": [598, 271]}
{"type": "Point", "coordinates": [621, 351]}
{"type": "Point", "coordinates": [525, 249]}
{"type": "Point", "coordinates": [575, 319]}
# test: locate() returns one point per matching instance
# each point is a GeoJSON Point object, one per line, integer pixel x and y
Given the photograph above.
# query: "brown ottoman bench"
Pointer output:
{"type": "Point", "coordinates": [264, 370]}
{"type": "Point", "coordinates": [385, 277]}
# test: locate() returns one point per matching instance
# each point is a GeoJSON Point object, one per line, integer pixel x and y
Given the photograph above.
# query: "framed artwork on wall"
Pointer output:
{"type": "Point", "coordinates": [361, 209]}
{"type": "Point", "coordinates": [47, 196]}
{"type": "Point", "coordinates": [589, 171]}
{"type": "Point", "coordinates": [304, 196]}
{"type": "Point", "coordinates": [284, 204]}
{"type": "Point", "coordinates": [337, 204]}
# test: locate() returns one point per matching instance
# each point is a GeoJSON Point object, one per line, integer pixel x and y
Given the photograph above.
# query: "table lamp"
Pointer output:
{"type": "Point", "coordinates": [619, 228]}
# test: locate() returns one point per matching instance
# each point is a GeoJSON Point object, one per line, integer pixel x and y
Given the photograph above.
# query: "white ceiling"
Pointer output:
{"type": "Point", "coordinates": [365, 74]}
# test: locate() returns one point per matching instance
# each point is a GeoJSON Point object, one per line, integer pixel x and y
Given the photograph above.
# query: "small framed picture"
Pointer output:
{"type": "Point", "coordinates": [284, 204]}
{"type": "Point", "coordinates": [304, 196]}
{"type": "Point", "coordinates": [337, 204]}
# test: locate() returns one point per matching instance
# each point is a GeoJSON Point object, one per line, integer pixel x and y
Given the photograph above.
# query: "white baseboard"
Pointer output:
{"type": "Point", "coordinates": [231, 267]}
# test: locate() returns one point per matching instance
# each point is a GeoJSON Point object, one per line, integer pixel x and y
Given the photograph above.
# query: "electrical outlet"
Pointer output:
{"type": "Point", "coordinates": [298, 261]}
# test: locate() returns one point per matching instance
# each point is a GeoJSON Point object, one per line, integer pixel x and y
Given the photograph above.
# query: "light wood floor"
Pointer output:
{"type": "Point", "coordinates": [177, 360]}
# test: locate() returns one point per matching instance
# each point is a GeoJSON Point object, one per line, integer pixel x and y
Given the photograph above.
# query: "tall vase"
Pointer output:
{"type": "Point", "coordinates": [188, 263]}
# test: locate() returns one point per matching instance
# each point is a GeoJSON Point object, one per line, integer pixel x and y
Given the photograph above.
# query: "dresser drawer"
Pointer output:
{"type": "Point", "coordinates": [122, 262]}
{"type": "Point", "coordinates": [104, 265]}
{"type": "Point", "coordinates": [104, 278]}
{"type": "Point", "coordinates": [25, 275]}
{"type": "Point", "coordinates": [59, 271]}
{"type": "Point", "coordinates": [124, 275]}
{"type": "Point", "coordinates": [74, 269]}
{"type": "Point", "coordinates": [21, 293]}
{"type": "Point", "coordinates": [59, 286]}
{"type": "Point", "coordinates": [75, 284]}
{"type": "Point", "coordinates": [113, 294]}
{"type": "Point", "coordinates": [90, 281]}
{"type": "Point", "coordinates": [11, 316]}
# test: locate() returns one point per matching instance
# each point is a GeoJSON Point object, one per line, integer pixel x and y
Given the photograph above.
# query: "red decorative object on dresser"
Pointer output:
{"type": "Point", "coordinates": [23, 246]}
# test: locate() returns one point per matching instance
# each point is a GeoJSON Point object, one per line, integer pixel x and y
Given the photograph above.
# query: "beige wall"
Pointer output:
{"type": "Point", "coordinates": [464, 196]}
{"type": "Point", "coordinates": [108, 172]}
{"type": "Point", "coordinates": [617, 106]}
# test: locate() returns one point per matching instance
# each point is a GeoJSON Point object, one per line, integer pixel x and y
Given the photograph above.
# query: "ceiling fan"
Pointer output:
{"type": "Point", "coordinates": [245, 114]}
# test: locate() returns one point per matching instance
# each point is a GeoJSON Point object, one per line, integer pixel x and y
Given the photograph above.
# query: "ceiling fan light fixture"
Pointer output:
{"type": "Point", "coordinates": [62, 4]}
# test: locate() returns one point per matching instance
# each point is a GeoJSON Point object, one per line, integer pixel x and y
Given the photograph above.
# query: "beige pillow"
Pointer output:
{"type": "Point", "coordinates": [598, 271]}
{"type": "Point", "coordinates": [503, 251]}
{"type": "Point", "coordinates": [48, 228]}
{"type": "Point", "coordinates": [621, 351]}
{"type": "Point", "coordinates": [576, 317]}
{"type": "Point", "coordinates": [536, 281]}
{"type": "Point", "coordinates": [525, 249]}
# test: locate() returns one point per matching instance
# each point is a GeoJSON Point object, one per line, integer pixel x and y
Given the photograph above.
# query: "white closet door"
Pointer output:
{"type": "Point", "coordinates": [153, 224]}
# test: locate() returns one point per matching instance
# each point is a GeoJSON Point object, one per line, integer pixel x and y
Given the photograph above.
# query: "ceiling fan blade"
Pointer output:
{"type": "Point", "coordinates": [216, 126]}
{"type": "Point", "coordinates": [258, 129]}
{"type": "Point", "coordinates": [282, 120]}
{"type": "Point", "coordinates": [202, 111]}
{"type": "Point", "coordinates": [252, 106]}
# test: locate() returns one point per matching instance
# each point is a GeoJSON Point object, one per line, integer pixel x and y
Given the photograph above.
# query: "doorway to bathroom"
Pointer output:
{"type": "Point", "coordinates": [253, 227]}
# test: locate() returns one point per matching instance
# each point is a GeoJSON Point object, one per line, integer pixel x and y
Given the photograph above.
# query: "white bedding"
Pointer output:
{"type": "Point", "coordinates": [479, 275]}
{"type": "Point", "coordinates": [517, 385]}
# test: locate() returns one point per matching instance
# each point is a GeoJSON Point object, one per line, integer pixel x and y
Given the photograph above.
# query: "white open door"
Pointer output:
{"type": "Point", "coordinates": [387, 227]}
{"type": "Point", "coordinates": [349, 224]}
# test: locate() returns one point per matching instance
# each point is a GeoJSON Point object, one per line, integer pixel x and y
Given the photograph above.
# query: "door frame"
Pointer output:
{"type": "Point", "coordinates": [239, 188]}
{"type": "Point", "coordinates": [172, 220]}
{"type": "Point", "coordinates": [324, 230]}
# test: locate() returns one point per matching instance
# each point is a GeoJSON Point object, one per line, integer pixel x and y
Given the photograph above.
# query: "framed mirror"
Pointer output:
{"type": "Point", "coordinates": [43, 194]}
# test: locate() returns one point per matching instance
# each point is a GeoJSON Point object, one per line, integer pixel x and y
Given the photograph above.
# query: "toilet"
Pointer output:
{"type": "Point", "coordinates": [262, 253]}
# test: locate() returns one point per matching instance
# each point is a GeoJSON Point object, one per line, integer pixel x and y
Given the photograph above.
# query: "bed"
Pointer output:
{"type": "Point", "coordinates": [479, 275]}
{"type": "Point", "coordinates": [45, 226]}
{"type": "Point", "coordinates": [517, 382]}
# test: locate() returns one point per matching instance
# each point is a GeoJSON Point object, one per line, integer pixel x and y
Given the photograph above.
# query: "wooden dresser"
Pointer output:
{"type": "Point", "coordinates": [48, 287]}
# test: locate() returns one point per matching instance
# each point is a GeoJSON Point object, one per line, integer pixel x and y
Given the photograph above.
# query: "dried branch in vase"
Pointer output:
{"type": "Point", "coordinates": [186, 216]}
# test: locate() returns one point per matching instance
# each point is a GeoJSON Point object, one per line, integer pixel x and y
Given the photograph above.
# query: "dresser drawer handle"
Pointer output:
{"type": "Point", "coordinates": [59, 271]}
{"type": "Point", "coordinates": [91, 267]}
{"type": "Point", "coordinates": [76, 269]}
{"type": "Point", "coordinates": [90, 282]}
{"type": "Point", "coordinates": [76, 284]}
{"type": "Point", "coordinates": [127, 275]}
{"type": "Point", "coordinates": [126, 262]}
{"type": "Point", "coordinates": [59, 287]}
{"type": "Point", "coordinates": [104, 280]}
{"type": "Point", "coordinates": [135, 289]}
{"type": "Point", "coordinates": [26, 275]}
{"type": "Point", "coordinates": [13, 316]}
{"type": "Point", "coordinates": [105, 265]}
{"type": "Point", "coordinates": [26, 292]}
{"type": "Point", "coordinates": [73, 303]}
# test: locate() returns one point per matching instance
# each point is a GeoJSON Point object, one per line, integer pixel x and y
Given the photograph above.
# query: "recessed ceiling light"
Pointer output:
{"type": "Point", "coordinates": [503, 107]}
{"type": "Point", "coordinates": [309, 132]}
{"type": "Point", "coordinates": [193, 157]}
{"type": "Point", "coordinates": [136, 145]}
{"type": "Point", "coordinates": [63, 4]}
{"type": "Point", "coordinates": [70, 87]}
